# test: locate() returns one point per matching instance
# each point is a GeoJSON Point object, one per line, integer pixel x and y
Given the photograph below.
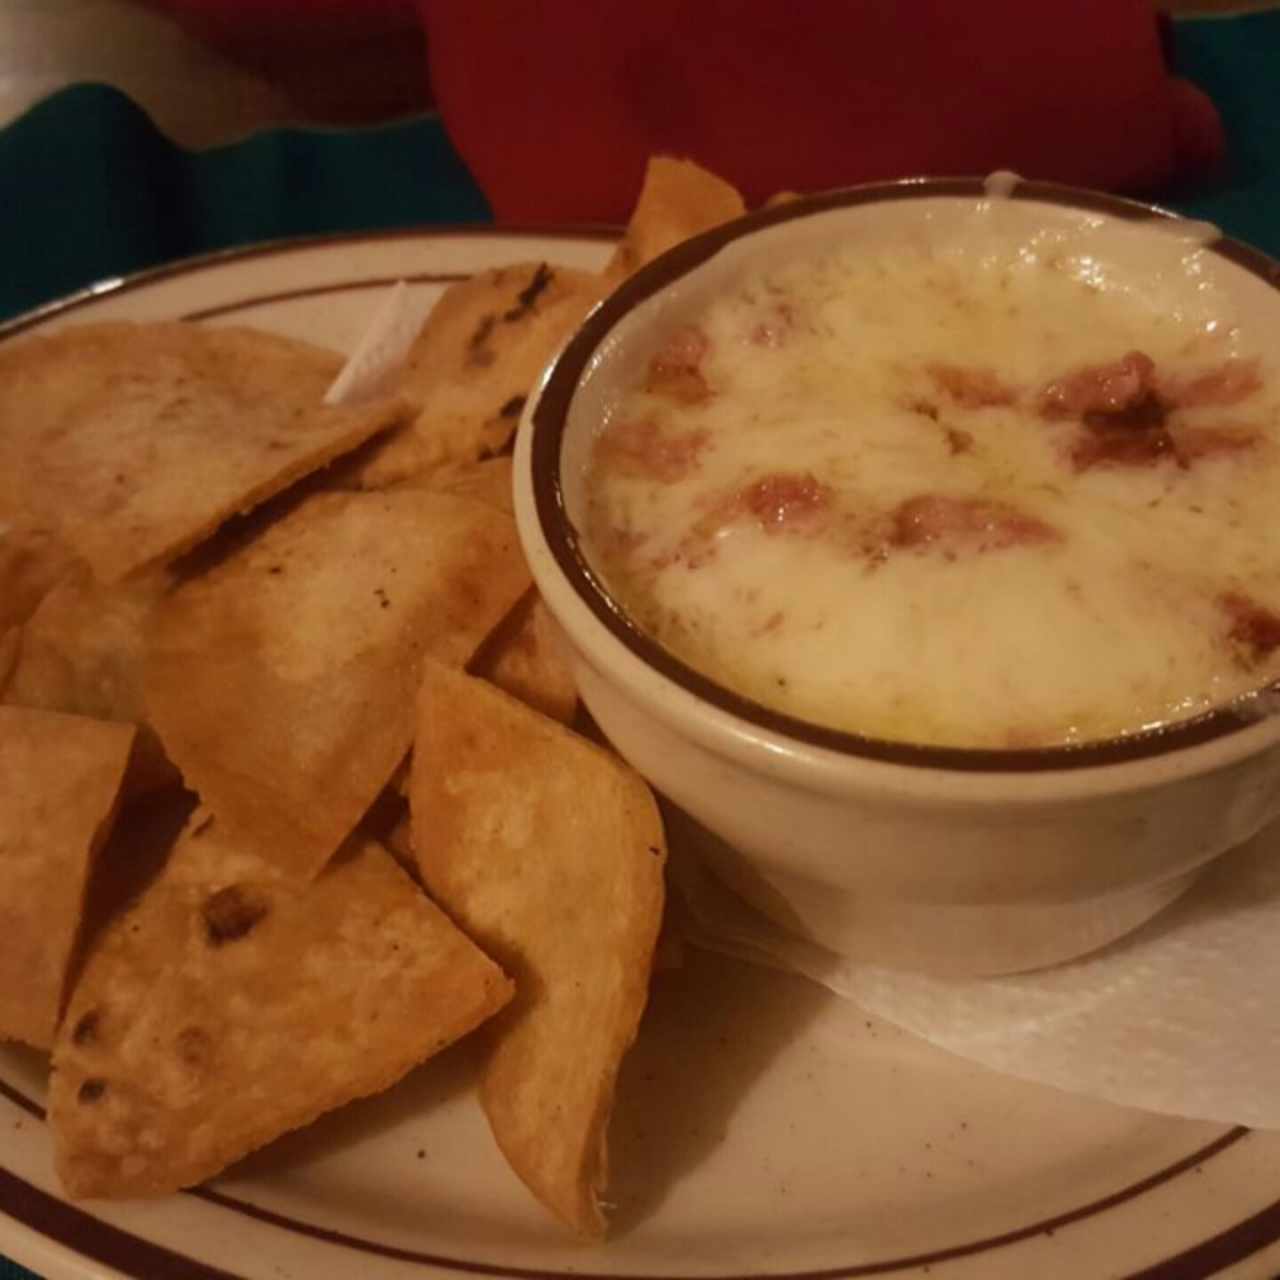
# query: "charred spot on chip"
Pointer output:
{"type": "Point", "coordinates": [477, 352]}
{"type": "Point", "coordinates": [86, 1029]}
{"type": "Point", "coordinates": [529, 295]}
{"type": "Point", "coordinates": [91, 1090]}
{"type": "Point", "coordinates": [512, 408]}
{"type": "Point", "coordinates": [194, 1047]}
{"type": "Point", "coordinates": [232, 913]}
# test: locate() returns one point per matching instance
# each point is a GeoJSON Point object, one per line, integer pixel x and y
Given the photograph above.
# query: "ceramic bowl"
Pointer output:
{"type": "Point", "coordinates": [966, 861]}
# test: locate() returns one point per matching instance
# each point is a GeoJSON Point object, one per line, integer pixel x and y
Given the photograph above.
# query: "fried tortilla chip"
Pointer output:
{"type": "Point", "coordinates": [81, 652]}
{"type": "Point", "coordinates": [9, 641]}
{"type": "Point", "coordinates": [137, 441]}
{"type": "Point", "coordinates": [779, 198]}
{"type": "Point", "coordinates": [282, 680]}
{"type": "Point", "coordinates": [678, 200]}
{"type": "Point", "coordinates": [32, 559]}
{"type": "Point", "coordinates": [478, 356]}
{"type": "Point", "coordinates": [39, 387]}
{"type": "Point", "coordinates": [231, 1006]}
{"type": "Point", "coordinates": [549, 852]}
{"type": "Point", "coordinates": [59, 786]}
{"type": "Point", "coordinates": [526, 657]}
{"type": "Point", "coordinates": [488, 480]}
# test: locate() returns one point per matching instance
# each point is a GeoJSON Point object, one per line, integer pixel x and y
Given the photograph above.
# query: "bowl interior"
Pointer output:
{"type": "Point", "coordinates": [1175, 264]}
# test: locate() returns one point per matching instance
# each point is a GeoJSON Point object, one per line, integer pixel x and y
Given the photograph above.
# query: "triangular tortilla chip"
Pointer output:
{"type": "Point", "coordinates": [549, 852]}
{"type": "Point", "coordinates": [230, 1006]}
{"type": "Point", "coordinates": [478, 356]}
{"type": "Point", "coordinates": [488, 480]}
{"type": "Point", "coordinates": [137, 441]}
{"type": "Point", "coordinates": [282, 681]}
{"type": "Point", "coordinates": [32, 559]}
{"type": "Point", "coordinates": [678, 200]}
{"type": "Point", "coordinates": [81, 652]}
{"type": "Point", "coordinates": [9, 642]}
{"type": "Point", "coordinates": [42, 381]}
{"type": "Point", "coordinates": [527, 656]}
{"type": "Point", "coordinates": [59, 785]}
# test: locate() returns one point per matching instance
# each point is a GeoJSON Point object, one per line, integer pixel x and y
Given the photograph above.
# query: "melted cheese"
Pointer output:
{"type": "Point", "coordinates": [826, 369]}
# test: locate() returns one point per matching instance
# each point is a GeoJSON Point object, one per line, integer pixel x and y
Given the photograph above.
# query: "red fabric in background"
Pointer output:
{"type": "Point", "coordinates": [242, 22]}
{"type": "Point", "coordinates": [556, 105]}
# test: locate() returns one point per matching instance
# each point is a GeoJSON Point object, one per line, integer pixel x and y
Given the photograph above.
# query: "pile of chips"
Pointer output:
{"type": "Point", "coordinates": [289, 800]}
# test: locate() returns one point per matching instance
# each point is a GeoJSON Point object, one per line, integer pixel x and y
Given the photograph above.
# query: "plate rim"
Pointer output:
{"type": "Point", "coordinates": [118, 1247]}
{"type": "Point", "coordinates": [112, 286]}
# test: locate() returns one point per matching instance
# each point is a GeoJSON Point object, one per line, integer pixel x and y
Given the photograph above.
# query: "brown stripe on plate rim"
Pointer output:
{"type": "Point", "coordinates": [97, 1240]}
{"type": "Point", "coordinates": [1233, 1245]}
{"type": "Point", "coordinates": [321, 290]}
{"type": "Point", "coordinates": [113, 286]}
{"type": "Point", "coordinates": [66, 1224]}
{"type": "Point", "coordinates": [550, 416]}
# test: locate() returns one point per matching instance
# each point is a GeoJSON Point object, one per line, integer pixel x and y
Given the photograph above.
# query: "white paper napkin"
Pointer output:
{"type": "Point", "coordinates": [1182, 1017]}
{"type": "Point", "coordinates": [382, 347]}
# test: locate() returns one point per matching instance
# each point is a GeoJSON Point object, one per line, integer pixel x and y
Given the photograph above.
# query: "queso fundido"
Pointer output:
{"type": "Point", "coordinates": [978, 491]}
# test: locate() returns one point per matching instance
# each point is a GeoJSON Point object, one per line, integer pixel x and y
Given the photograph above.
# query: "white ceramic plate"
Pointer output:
{"type": "Point", "coordinates": [763, 1128]}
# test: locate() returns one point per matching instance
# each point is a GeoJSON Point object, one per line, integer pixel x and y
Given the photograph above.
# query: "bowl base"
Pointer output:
{"type": "Point", "coordinates": [981, 940]}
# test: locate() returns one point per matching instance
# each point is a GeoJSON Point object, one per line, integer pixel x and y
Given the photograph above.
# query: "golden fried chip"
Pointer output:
{"type": "Point", "coordinates": [81, 652]}
{"type": "Point", "coordinates": [478, 356]}
{"type": "Point", "coordinates": [39, 387]}
{"type": "Point", "coordinates": [142, 439]}
{"type": "Point", "coordinates": [82, 648]}
{"type": "Point", "coordinates": [32, 559]}
{"type": "Point", "coordinates": [549, 852]}
{"type": "Point", "coordinates": [488, 480]}
{"type": "Point", "coordinates": [678, 200]}
{"type": "Point", "coordinates": [231, 1006]}
{"type": "Point", "coordinates": [9, 641]}
{"type": "Point", "coordinates": [59, 785]}
{"type": "Point", "coordinates": [526, 656]}
{"type": "Point", "coordinates": [282, 680]}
